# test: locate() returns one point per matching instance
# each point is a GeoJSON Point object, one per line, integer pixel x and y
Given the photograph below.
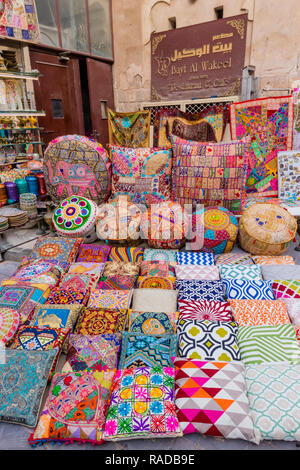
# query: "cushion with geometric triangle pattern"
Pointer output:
{"type": "Point", "coordinates": [211, 399]}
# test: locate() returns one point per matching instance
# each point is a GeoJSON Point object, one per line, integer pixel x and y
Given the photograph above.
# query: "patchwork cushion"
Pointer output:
{"type": "Point", "coordinates": [69, 297]}
{"type": "Point", "coordinates": [273, 260]}
{"type": "Point", "coordinates": [23, 299]}
{"type": "Point", "coordinates": [132, 254]}
{"type": "Point", "coordinates": [293, 308]}
{"type": "Point", "coordinates": [75, 409]}
{"type": "Point", "coordinates": [142, 405]}
{"type": "Point", "coordinates": [268, 344]}
{"type": "Point", "coordinates": [211, 310]}
{"type": "Point", "coordinates": [86, 268]}
{"type": "Point", "coordinates": [9, 323]}
{"type": "Point", "coordinates": [286, 289]}
{"type": "Point", "coordinates": [158, 254]}
{"type": "Point", "coordinates": [23, 379]}
{"type": "Point", "coordinates": [142, 173]}
{"type": "Point", "coordinates": [208, 340]}
{"type": "Point", "coordinates": [93, 321]}
{"type": "Point", "coordinates": [273, 394]}
{"type": "Point", "coordinates": [185, 271]}
{"type": "Point", "coordinates": [92, 253]}
{"type": "Point", "coordinates": [155, 282]}
{"type": "Point", "coordinates": [152, 323]}
{"type": "Point", "coordinates": [209, 397]}
{"type": "Point", "coordinates": [120, 268]}
{"type": "Point", "coordinates": [241, 289]}
{"type": "Point", "coordinates": [117, 282]}
{"type": "Point", "coordinates": [209, 174]}
{"type": "Point", "coordinates": [199, 290]}
{"type": "Point", "coordinates": [195, 257]}
{"type": "Point", "coordinates": [41, 270]}
{"type": "Point", "coordinates": [92, 352]}
{"type": "Point", "coordinates": [61, 249]}
{"type": "Point", "coordinates": [139, 350]}
{"type": "Point", "coordinates": [248, 273]}
{"type": "Point", "coordinates": [259, 312]}
{"type": "Point", "coordinates": [55, 316]}
{"type": "Point", "coordinates": [110, 299]}
{"type": "Point", "coordinates": [157, 268]}
{"type": "Point", "coordinates": [280, 271]}
{"type": "Point", "coordinates": [34, 338]}
{"type": "Point", "coordinates": [78, 282]}
{"type": "Point", "coordinates": [154, 300]}
{"type": "Point", "coordinates": [233, 258]}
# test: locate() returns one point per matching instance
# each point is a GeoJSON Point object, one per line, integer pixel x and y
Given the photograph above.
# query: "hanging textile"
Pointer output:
{"type": "Point", "coordinates": [129, 129]}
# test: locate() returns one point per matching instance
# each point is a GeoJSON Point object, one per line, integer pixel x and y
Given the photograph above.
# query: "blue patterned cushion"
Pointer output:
{"type": "Point", "coordinates": [140, 350]}
{"type": "Point", "coordinates": [242, 289]}
{"type": "Point", "coordinates": [248, 273]}
{"type": "Point", "coordinates": [208, 340]}
{"type": "Point", "coordinates": [159, 254]}
{"type": "Point", "coordinates": [199, 290]}
{"type": "Point", "coordinates": [195, 257]}
{"type": "Point", "coordinates": [23, 379]}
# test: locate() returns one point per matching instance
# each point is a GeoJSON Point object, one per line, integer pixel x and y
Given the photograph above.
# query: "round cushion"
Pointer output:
{"type": "Point", "coordinates": [75, 164]}
{"type": "Point", "coordinates": [266, 229]}
{"type": "Point", "coordinates": [165, 225]}
{"type": "Point", "coordinates": [9, 323]}
{"type": "Point", "coordinates": [75, 216]}
{"type": "Point", "coordinates": [220, 230]}
{"type": "Point", "coordinates": [119, 221]}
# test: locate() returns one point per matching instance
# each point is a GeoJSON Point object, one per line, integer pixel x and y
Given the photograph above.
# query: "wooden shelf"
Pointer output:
{"type": "Point", "coordinates": [20, 143]}
{"type": "Point", "coordinates": [19, 75]}
{"type": "Point", "coordinates": [22, 113]}
{"type": "Point", "coordinates": [21, 128]}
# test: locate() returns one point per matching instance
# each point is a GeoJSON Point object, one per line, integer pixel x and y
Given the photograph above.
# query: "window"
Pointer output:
{"type": "Point", "coordinates": [73, 22]}
{"type": "Point", "coordinates": [57, 108]}
{"type": "Point", "coordinates": [219, 12]}
{"type": "Point", "coordinates": [100, 27]}
{"type": "Point", "coordinates": [47, 17]}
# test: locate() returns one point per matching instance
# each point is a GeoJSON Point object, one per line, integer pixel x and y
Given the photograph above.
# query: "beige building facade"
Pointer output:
{"type": "Point", "coordinates": [273, 41]}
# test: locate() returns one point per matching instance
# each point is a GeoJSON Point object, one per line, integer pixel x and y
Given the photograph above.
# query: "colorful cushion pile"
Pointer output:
{"type": "Point", "coordinates": [158, 343]}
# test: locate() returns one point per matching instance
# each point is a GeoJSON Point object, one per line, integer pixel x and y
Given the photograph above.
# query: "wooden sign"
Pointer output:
{"type": "Point", "coordinates": [199, 61]}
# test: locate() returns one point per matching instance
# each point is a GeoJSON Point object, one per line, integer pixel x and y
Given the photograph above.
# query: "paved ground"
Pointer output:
{"type": "Point", "coordinates": [14, 437]}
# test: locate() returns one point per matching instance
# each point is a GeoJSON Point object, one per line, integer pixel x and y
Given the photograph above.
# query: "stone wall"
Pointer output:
{"type": "Point", "coordinates": [273, 41]}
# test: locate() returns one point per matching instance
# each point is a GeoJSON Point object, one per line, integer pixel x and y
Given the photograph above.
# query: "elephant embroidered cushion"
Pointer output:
{"type": "Point", "coordinates": [55, 316]}
{"type": "Point", "coordinates": [23, 379]}
{"type": "Point", "coordinates": [208, 397]}
{"type": "Point", "coordinates": [78, 282]}
{"type": "Point", "coordinates": [77, 165]}
{"type": "Point", "coordinates": [259, 312]}
{"type": "Point", "coordinates": [93, 253]}
{"type": "Point", "coordinates": [242, 289]}
{"type": "Point", "coordinates": [276, 343]}
{"type": "Point", "coordinates": [152, 323]}
{"type": "Point", "coordinates": [110, 299]}
{"type": "Point", "coordinates": [199, 290]}
{"type": "Point", "coordinates": [143, 173]}
{"type": "Point", "coordinates": [211, 310]}
{"type": "Point", "coordinates": [121, 268]}
{"type": "Point", "coordinates": [193, 272]}
{"type": "Point", "coordinates": [208, 340]}
{"type": "Point", "coordinates": [195, 258]}
{"type": "Point", "coordinates": [248, 273]}
{"type": "Point", "coordinates": [140, 350]}
{"type": "Point", "coordinates": [92, 352]}
{"type": "Point", "coordinates": [75, 409]}
{"type": "Point", "coordinates": [159, 254]}
{"type": "Point", "coordinates": [117, 282]}
{"type": "Point", "coordinates": [153, 282]}
{"type": "Point", "coordinates": [233, 258]}
{"type": "Point", "coordinates": [34, 338]}
{"type": "Point", "coordinates": [97, 321]}
{"type": "Point", "coordinates": [68, 297]}
{"type": "Point", "coordinates": [127, 254]}
{"type": "Point", "coordinates": [61, 249]}
{"type": "Point", "coordinates": [273, 413]}
{"type": "Point", "coordinates": [289, 289]}
{"type": "Point", "coordinates": [23, 299]}
{"type": "Point", "coordinates": [157, 268]}
{"type": "Point", "coordinates": [86, 268]}
{"type": "Point", "coordinates": [142, 405]}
